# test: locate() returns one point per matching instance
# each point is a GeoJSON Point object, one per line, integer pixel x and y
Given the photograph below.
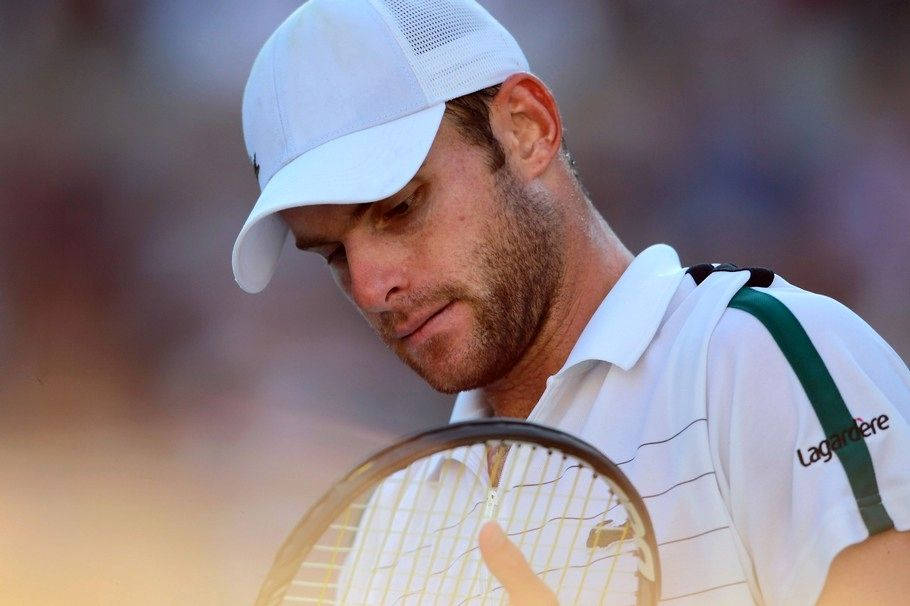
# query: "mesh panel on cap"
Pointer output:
{"type": "Point", "coordinates": [454, 46]}
{"type": "Point", "coordinates": [435, 24]}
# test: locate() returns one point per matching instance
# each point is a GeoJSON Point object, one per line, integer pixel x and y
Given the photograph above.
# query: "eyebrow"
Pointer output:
{"type": "Point", "coordinates": [307, 242]}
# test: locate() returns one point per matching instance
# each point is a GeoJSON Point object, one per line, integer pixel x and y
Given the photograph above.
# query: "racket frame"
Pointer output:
{"type": "Point", "coordinates": [398, 456]}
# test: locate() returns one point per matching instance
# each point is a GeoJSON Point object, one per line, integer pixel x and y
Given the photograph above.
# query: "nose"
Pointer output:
{"type": "Point", "coordinates": [375, 276]}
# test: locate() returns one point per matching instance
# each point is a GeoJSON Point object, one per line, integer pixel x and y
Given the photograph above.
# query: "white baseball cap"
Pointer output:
{"type": "Point", "coordinates": [344, 101]}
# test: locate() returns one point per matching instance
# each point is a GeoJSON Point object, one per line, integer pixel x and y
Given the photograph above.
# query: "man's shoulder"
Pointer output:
{"type": "Point", "coordinates": [757, 299]}
{"type": "Point", "coordinates": [781, 312]}
{"type": "Point", "coordinates": [784, 334]}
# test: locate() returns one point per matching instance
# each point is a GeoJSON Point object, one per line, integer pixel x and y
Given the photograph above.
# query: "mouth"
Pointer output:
{"type": "Point", "coordinates": [412, 327]}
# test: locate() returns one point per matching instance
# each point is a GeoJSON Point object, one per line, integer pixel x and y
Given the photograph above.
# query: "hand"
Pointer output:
{"type": "Point", "coordinates": [509, 566]}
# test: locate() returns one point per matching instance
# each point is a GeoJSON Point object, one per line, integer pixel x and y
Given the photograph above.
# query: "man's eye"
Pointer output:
{"type": "Point", "coordinates": [403, 207]}
{"type": "Point", "coordinates": [399, 209]}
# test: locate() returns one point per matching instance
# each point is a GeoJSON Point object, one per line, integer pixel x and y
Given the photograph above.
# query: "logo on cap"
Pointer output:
{"type": "Point", "coordinates": [255, 166]}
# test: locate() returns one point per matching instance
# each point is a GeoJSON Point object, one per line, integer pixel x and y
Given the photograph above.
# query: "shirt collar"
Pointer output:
{"type": "Point", "coordinates": [629, 316]}
{"type": "Point", "coordinates": [623, 325]}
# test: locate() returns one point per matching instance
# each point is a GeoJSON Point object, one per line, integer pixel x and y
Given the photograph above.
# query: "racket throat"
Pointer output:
{"type": "Point", "coordinates": [492, 504]}
{"type": "Point", "coordinates": [496, 460]}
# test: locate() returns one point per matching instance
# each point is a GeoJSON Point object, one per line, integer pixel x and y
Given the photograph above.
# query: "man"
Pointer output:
{"type": "Point", "coordinates": [406, 142]}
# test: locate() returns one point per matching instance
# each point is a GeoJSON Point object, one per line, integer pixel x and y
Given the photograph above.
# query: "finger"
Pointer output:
{"type": "Point", "coordinates": [509, 566]}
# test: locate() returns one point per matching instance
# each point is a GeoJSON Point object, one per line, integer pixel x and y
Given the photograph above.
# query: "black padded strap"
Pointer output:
{"type": "Point", "coordinates": [758, 276]}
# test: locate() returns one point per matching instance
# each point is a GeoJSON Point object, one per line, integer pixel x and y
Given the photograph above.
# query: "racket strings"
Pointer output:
{"type": "Point", "coordinates": [412, 540]}
{"type": "Point", "coordinates": [519, 533]}
{"type": "Point", "coordinates": [477, 505]}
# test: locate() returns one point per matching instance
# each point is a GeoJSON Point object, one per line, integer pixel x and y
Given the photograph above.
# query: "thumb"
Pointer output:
{"type": "Point", "coordinates": [509, 566]}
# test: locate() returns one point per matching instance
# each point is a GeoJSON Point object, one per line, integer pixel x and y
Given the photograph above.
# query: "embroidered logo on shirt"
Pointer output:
{"type": "Point", "coordinates": [826, 448]}
{"type": "Point", "coordinates": [604, 534]}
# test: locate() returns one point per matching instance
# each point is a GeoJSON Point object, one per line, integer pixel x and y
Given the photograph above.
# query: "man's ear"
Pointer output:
{"type": "Point", "coordinates": [525, 119]}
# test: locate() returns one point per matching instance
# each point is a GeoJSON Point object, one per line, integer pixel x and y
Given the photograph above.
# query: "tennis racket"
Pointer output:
{"type": "Point", "coordinates": [401, 529]}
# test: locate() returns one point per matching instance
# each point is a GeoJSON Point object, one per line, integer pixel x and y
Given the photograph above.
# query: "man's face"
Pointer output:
{"type": "Point", "coordinates": [455, 272]}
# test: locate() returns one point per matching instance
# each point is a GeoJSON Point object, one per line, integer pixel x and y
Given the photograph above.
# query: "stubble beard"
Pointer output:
{"type": "Point", "coordinates": [518, 272]}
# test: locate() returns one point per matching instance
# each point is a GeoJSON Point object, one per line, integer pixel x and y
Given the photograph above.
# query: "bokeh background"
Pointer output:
{"type": "Point", "coordinates": [161, 431]}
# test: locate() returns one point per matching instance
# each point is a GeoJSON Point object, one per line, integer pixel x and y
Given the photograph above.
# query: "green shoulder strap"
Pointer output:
{"type": "Point", "coordinates": [826, 400]}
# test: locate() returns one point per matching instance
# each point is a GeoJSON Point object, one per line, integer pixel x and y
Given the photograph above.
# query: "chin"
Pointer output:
{"type": "Point", "coordinates": [447, 381]}
{"type": "Point", "coordinates": [442, 374]}
{"type": "Point", "coordinates": [451, 370]}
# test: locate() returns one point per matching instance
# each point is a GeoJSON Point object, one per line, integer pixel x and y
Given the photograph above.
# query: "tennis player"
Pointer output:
{"type": "Point", "coordinates": [407, 142]}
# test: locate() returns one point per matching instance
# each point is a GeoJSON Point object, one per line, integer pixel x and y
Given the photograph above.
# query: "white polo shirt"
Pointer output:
{"type": "Point", "coordinates": [701, 410]}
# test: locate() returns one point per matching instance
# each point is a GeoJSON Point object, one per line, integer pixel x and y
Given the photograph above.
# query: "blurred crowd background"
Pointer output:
{"type": "Point", "coordinates": [161, 430]}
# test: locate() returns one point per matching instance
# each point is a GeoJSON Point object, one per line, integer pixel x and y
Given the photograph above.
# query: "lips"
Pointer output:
{"type": "Point", "coordinates": [415, 323]}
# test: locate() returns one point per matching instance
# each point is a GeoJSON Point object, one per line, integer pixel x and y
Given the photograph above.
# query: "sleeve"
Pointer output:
{"type": "Point", "coordinates": [805, 479]}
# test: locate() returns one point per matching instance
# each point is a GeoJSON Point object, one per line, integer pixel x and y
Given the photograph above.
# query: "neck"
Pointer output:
{"type": "Point", "coordinates": [594, 261]}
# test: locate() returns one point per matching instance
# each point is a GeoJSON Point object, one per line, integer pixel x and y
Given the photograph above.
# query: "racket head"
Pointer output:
{"type": "Point", "coordinates": [357, 490]}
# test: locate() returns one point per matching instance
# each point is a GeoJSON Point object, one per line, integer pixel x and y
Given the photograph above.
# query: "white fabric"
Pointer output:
{"type": "Point", "coordinates": [343, 102]}
{"type": "Point", "coordinates": [699, 408]}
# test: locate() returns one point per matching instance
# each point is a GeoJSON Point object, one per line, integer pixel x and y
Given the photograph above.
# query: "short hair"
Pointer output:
{"type": "Point", "coordinates": [471, 116]}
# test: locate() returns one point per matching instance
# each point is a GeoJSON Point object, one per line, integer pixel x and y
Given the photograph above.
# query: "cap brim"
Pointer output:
{"type": "Point", "coordinates": [363, 166]}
